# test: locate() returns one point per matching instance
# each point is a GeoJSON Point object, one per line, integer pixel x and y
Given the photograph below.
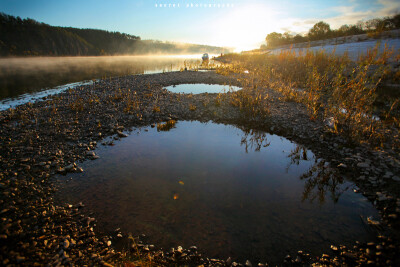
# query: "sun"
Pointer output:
{"type": "Point", "coordinates": [244, 28]}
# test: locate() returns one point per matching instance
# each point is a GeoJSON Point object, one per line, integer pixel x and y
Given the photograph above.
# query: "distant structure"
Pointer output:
{"type": "Point", "coordinates": [205, 57]}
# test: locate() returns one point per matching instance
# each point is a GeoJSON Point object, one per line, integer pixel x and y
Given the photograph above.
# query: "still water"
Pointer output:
{"type": "Point", "coordinates": [27, 75]}
{"type": "Point", "coordinates": [231, 192]}
{"type": "Point", "coordinates": [200, 88]}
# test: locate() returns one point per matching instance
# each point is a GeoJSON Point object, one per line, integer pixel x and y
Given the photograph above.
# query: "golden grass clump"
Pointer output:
{"type": "Point", "coordinates": [166, 126]}
{"type": "Point", "coordinates": [329, 86]}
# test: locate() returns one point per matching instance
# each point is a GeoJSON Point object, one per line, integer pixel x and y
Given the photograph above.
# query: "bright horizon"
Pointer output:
{"type": "Point", "coordinates": [240, 24]}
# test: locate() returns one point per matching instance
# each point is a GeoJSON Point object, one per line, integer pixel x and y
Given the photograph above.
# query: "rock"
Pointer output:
{"type": "Point", "coordinates": [70, 168]}
{"type": "Point", "coordinates": [20, 259]}
{"type": "Point", "coordinates": [342, 165]}
{"type": "Point", "coordinates": [381, 197]}
{"type": "Point", "coordinates": [388, 174]}
{"type": "Point", "coordinates": [90, 154]}
{"type": "Point", "coordinates": [121, 134]}
{"type": "Point", "coordinates": [248, 264]}
{"type": "Point", "coordinates": [66, 244]}
{"type": "Point", "coordinates": [362, 165]}
{"type": "Point", "coordinates": [396, 178]}
{"type": "Point", "coordinates": [61, 170]}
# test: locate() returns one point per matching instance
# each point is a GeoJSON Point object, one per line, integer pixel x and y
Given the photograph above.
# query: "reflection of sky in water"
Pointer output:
{"type": "Point", "coordinates": [227, 202]}
{"type": "Point", "coordinates": [199, 88]}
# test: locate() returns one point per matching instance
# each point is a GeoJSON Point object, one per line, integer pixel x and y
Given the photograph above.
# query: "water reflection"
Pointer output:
{"type": "Point", "coordinates": [25, 75]}
{"type": "Point", "coordinates": [226, 190]}
{"type": "Point", "coordinates": [321, 179]}
{"type": "Point", "coordinates": [254, 139]}
{"type": "Point", "coordinates": [298, 154]}
{"type": "Point", "coordinates": [199, 88]}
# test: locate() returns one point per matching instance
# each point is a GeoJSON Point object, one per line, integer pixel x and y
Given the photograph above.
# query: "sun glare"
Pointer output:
{"type": "Point", "coordinates": [244, 28]}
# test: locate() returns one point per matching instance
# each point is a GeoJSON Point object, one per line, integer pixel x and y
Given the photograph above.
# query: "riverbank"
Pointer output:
{"type": "Point", "coordinates": [41, 139]}
{"type": "Point", "coordinates": [381, 37]}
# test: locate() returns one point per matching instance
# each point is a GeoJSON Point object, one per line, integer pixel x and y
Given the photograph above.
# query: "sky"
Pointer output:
{"type": "Point", "coordinates": [240, 24]}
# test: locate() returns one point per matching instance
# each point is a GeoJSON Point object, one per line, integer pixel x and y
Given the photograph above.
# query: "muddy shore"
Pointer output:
{"type": "Point", "coordinates": [39, 140]}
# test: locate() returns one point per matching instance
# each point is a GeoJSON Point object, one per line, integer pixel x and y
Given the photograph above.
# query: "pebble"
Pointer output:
{"type": "Point", "coordinates": [66, 244]}
{"type": "Point", "coordinates": [121, 134]}
{"type": "Point", "coordinates": [396, 178]}
{"type": "Point", "coordinates": [52, 238]}
{"type": "Point", "coordinates": [362, 165]}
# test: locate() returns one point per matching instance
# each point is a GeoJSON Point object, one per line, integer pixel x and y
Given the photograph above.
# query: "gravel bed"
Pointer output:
{"type": "Point", "coordinates": [39, 140]}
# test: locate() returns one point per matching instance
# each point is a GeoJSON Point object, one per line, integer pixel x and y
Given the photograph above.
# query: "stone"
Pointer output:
{"type": "Point", "coordinates": [381, 197]}
{"type": "Point", "coordinates": [121, 134]}
{"type": "Point", "coordinates": [342, 165]}
{"type": "Point", "coordinates": [66, 244]}
{"type": "Point", "coordinates": [90, 154]}
{"type": "Point", "coordinates": [396, 178]}
{"type": "Point", "coordinates": [388, 174]}
{"type": "Point", "coordinates": [362, 165]}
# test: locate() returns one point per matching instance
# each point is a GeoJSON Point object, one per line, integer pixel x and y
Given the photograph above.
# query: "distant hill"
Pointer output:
{"type": "Point", "coordinates": [27, 37]}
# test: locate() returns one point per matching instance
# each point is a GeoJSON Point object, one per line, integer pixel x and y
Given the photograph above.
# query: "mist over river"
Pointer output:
{"type": "Point", "coordinates": [20, 76]}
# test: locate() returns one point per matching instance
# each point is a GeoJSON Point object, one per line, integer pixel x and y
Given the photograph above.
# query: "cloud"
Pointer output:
{"type": "Point", "coordinates": [349, 14]}
{"type": "Point", "coordinates": [390, 7]}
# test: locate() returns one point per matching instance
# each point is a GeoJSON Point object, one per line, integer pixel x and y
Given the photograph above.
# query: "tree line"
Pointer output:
{"type": "Point", "coordinates": [28, 37]}
{"type": "Point", "coordinates": [322, 30]}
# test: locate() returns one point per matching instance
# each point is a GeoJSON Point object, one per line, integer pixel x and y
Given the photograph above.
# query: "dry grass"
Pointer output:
{"type": "Point", "coordinates": [166, 126]}
{"type": "Point", "coordinates": [330, 87]}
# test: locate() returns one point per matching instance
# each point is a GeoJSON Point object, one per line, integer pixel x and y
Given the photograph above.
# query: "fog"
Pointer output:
{"type": "Point", "coordinates": [23, 75]}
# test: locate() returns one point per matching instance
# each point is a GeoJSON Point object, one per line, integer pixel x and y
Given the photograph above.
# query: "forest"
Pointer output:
{"type": "Point", "coordinates": [28, 37]}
